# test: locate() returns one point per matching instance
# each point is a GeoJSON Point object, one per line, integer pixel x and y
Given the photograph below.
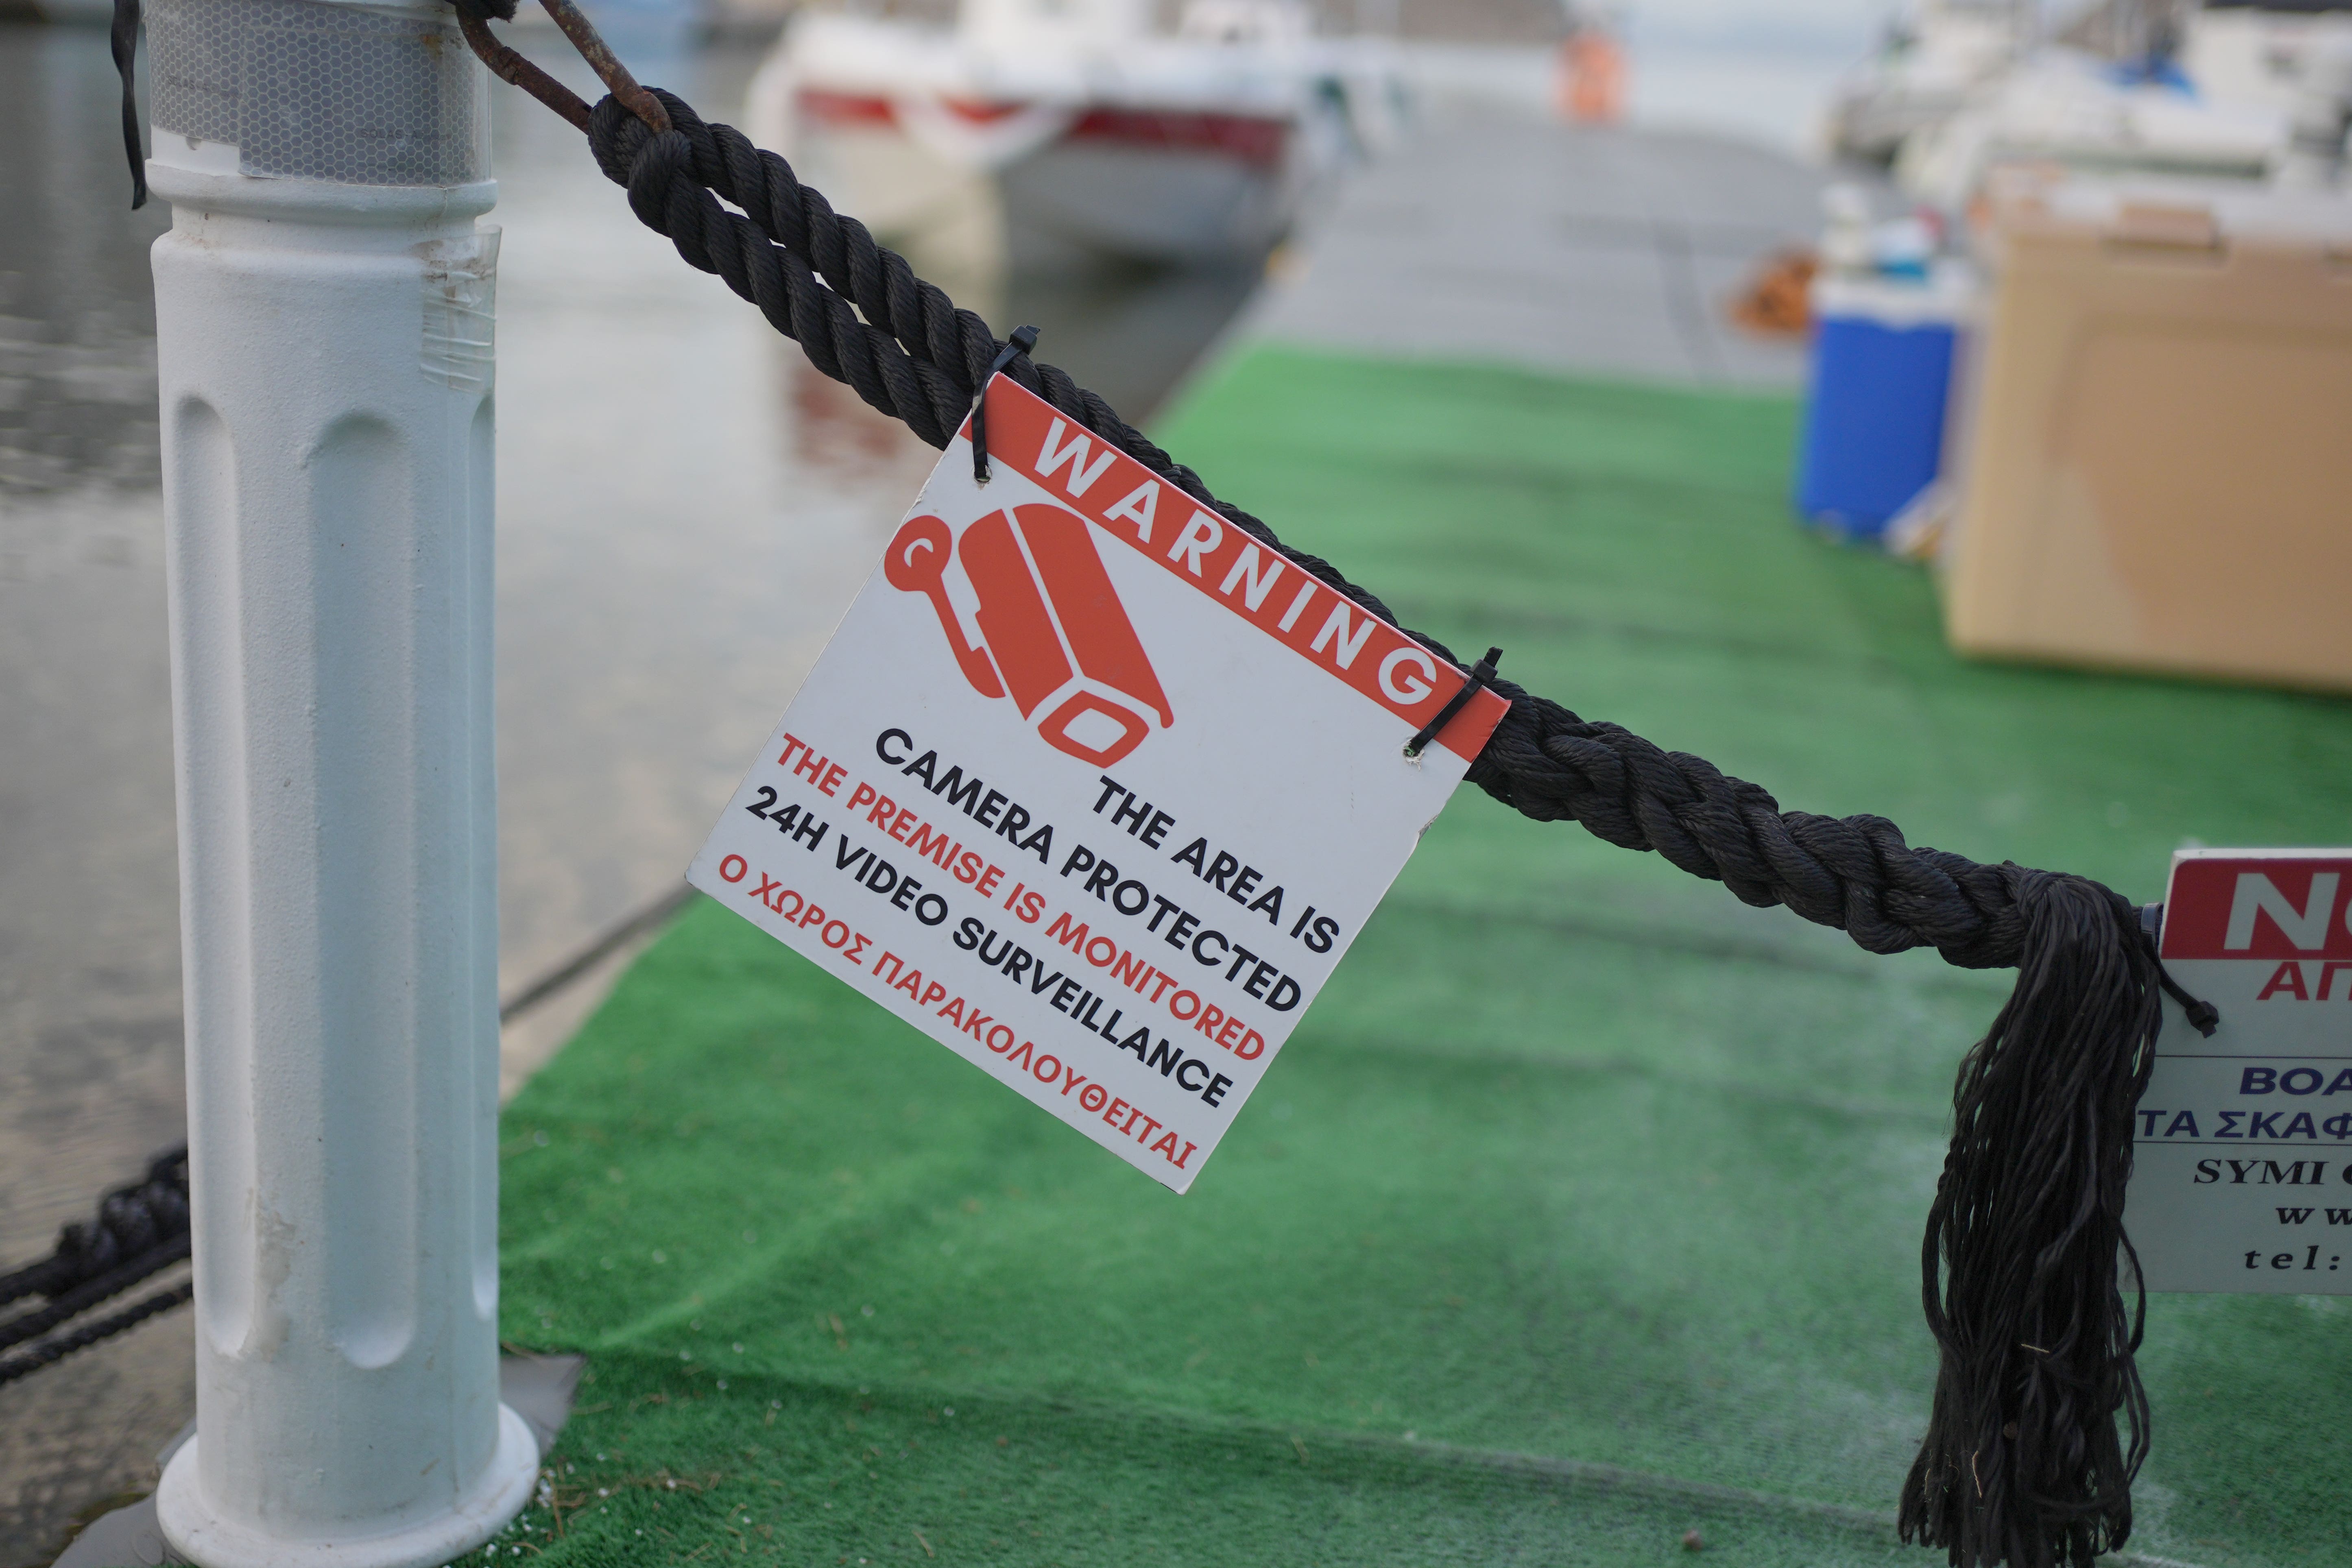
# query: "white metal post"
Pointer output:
{"type": "Point", "coordinates": [323, 307]}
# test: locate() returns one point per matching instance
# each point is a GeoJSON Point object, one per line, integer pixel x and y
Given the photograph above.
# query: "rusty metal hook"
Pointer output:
{"type": "Point", "coordinates": [516, 72]}
{"type": "Point", "coordinates": [606, 64]}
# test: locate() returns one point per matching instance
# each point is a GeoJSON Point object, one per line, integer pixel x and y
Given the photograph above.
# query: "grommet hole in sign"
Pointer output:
{"type": "Point", "coordinates": [1480, 674]}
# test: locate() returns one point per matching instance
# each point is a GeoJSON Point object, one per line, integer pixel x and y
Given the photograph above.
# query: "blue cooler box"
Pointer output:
{"type": "Point", "coordinates": [1882, 368]}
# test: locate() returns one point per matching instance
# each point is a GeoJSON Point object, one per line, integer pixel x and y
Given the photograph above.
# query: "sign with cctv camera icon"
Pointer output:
{"type": "Point", "coordinates": [1092, 787]}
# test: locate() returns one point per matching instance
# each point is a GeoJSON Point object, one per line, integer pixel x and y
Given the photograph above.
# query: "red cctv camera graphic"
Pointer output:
{"type": "Point", "coordinates": [1054, 634]}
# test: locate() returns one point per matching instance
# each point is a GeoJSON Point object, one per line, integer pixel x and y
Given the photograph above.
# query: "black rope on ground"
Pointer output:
{"type": "Point", "coordinates": [81, 1298]}
{"type": "Point", "coordinates": [132, 1221]}
{"type": "Point", "coordinates": [51, 1352]}
{"type": "Point", "coordinates": [144, 1229]}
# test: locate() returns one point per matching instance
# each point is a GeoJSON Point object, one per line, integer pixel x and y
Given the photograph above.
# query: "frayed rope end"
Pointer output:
{"type": "Point", "coordinates": [2040, 1422]}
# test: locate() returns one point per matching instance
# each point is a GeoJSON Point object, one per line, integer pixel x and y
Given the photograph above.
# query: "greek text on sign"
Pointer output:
{"type": "Point", "coordinates": [2242, 1166]}
{"type": "Point", "coordinates": [1092, 788]}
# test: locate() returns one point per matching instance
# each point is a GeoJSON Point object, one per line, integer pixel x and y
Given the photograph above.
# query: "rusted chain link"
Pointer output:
{"type": "Point", "coordinates": [516, 72]}
{"type": "Point", "coordinates": [605, 64]}
{"type": "Point", "coordinates": [474, 17]}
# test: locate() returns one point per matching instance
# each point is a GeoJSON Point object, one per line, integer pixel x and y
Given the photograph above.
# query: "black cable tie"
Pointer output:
{"type": "Point", "coordinates": [1480, 673]}
{"type": "Point", "coordinates": [125, 42]}
{"type": "Point", "coordinates": [1022, 341]}
{"type": "Point", "coordinates": [2203, 1016]}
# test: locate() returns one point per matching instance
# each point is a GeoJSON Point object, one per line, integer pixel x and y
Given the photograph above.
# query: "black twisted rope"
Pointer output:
{"type": "Point", "coordinates": [863, 317]}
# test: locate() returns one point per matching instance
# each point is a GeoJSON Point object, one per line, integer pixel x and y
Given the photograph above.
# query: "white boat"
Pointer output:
{"type": "Point", "coordinates": [1933, 57]}
{"type": "Point", "coordinates": [1050, 129]}
{"type": "Point", "coordinates": [2225, 90]}
{"type": "Point", "coordinates": [2066, 109]}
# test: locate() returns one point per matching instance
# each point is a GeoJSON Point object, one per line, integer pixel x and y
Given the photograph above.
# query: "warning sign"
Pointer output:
{"type": "Point", "coordinates": [2242, 1164]}
{"type": "Point", "coordinates": [1092, 788]}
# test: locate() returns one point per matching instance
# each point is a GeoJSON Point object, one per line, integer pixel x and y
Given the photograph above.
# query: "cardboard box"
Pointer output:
{"type": "Point", "coordinates": [2158, 465]}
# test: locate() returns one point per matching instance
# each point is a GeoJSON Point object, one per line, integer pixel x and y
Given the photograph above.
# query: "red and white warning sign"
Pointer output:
{"type": "Point", "coordinates": [2242, 1164]}
{"type": "Point", "coordinates": [1092, 787]}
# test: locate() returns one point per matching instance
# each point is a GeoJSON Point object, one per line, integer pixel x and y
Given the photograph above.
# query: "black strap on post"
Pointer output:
{"type": "Point", "coordinates": [1022, 341]}
{"type": "Point", "coordinates": [1480, 674]}
{"type": "Point", "coordinates": [126, 57]}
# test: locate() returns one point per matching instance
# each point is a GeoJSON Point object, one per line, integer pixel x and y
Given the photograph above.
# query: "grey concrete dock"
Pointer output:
{"type": "Point", "coordinates": [1598, 251]}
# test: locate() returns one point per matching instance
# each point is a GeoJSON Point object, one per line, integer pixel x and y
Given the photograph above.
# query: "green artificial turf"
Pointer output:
{"type": "Point", "coordinates": [1583, 1209]}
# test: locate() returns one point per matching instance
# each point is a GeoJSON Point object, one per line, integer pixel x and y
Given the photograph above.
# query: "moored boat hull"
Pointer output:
{"type": "Point", "coordinates": [1136, 184]}
{"type": "Point", "coordinates": [1044, 143]}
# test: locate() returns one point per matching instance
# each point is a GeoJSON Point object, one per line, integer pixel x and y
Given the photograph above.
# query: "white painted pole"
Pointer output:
{"type": "Point", "coordinates": [323, 327]}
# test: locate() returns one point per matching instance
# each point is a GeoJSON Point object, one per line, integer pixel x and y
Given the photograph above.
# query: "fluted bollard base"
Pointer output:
{"type": "Point", "coordinates": [323, 314]}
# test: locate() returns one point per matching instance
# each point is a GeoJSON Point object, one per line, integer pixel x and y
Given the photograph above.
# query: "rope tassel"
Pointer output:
{"type": "Point", "coordinates": [2023, 1462]}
